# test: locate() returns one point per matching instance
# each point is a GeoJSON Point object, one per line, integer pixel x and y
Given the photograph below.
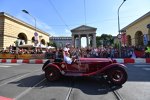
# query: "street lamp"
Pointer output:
{"type": "Point", "coordinates": [25, 11]}
{"type": "Point", "coordinates": [119, 35]}
{"type": "Point", "coordinates": [35, 34]}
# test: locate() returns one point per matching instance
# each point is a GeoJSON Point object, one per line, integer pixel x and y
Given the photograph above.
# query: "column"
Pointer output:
{"type": "Point", "coordinates": [94, 40]}
{"type": "Point", "coordinates": [79, 41]}
{"type": "Point", "coordinates": [87, 40]}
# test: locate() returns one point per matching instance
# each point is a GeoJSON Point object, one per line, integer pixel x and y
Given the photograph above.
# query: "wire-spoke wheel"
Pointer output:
{"type": "Point", "coordinates": [117, 76]}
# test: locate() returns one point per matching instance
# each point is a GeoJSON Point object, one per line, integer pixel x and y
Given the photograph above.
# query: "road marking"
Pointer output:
{"type": "Point", "coordinates": [18, 77]}
{"type": "Point", "coordinates": [118, 96]}
{"type": "Point", "coordinates": [141, 65]}
{"type": "Point", "coordinates": [28, 90]}
{"type": "Point", "coordinates": [12, 64]}
{"type": "Point", "coordinates": [68, 95]}
{"type": "Point", "coordinates": [5, 98]}
{"type": "Point", "coordinates": [5, 66]}
{"type": "Point", "coordinates": [148, 69]}
{"type": "Point", "coordinates": [7, 78]}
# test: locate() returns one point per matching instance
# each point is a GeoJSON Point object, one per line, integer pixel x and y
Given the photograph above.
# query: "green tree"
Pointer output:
{"type": "Point", "coordinates": [105, 40]}
{"type": "Point", "coordinates": [98, 41]}
{"type": "Point", "coordinates": [116, 45]}
{"type": "Point", "coordinates": [48, 43]}
{"type": "Point", "coordinates": [52, 44]}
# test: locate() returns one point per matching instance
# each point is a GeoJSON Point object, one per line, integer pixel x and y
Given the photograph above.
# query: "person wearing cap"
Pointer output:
{"type": "Point", "coordinates": [67, 48]}
{"type": "Point", "coordinates": [66, 54]}
{"type": "Point", "coordinates": [67, 57]}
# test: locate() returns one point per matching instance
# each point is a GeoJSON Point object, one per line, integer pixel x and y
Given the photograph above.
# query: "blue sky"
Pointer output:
{"type": "Point", "coordinates": [58, 17]}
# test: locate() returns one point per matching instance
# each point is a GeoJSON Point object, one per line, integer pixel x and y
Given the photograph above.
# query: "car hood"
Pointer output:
{"type": "Point", "coordinates": [95, 59]}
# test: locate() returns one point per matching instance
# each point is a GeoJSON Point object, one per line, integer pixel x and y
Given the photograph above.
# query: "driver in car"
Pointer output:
{"type": "Point", "coordinates": [67, 58]}
{"type": "Point", "coordinates": [66, 55]}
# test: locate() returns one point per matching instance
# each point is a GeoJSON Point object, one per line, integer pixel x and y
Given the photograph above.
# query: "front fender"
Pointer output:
{"type": "Point", "coordinates": [51, 65]}
{"type": "Point", "coordinates": [113, 65]}
{"type": "Point", "coordinates": [116, 64]}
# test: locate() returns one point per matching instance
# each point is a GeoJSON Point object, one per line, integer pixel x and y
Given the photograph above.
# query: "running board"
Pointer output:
{"type": "Point", "coordinates": [73, 74]}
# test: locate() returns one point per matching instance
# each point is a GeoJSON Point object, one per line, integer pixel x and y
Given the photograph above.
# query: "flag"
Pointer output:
{"type": "Point", "coordinates": [145, 39]}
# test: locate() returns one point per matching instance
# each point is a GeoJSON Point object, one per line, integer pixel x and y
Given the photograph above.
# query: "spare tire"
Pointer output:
{"type": "Point", "coordinates": [47, 62]}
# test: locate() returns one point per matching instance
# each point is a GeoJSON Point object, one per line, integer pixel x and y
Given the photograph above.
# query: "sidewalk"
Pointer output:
{"type": "Point", "coordinates": [41, 61]}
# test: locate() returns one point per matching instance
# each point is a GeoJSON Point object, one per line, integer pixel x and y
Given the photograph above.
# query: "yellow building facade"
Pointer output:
{"type": "Point", "coordinates": [138, 31]}
{"type": "Point", "coordinates": [12, 29]}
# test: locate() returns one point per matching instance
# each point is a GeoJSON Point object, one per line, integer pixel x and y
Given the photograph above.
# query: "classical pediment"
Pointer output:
{"type": "Point", "coordinates": [83, 28]}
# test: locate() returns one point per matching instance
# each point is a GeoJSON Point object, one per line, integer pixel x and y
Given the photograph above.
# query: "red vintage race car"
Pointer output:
{"type": "Point", "coordinates": [105, 67]}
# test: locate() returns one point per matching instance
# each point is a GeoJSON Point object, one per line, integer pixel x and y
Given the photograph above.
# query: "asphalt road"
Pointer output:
{"type": "Point", "coordinates": [27, 82]}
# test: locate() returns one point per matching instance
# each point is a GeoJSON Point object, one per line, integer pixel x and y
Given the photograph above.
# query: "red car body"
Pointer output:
{"type": "Point", "coordinates": [107, 67]}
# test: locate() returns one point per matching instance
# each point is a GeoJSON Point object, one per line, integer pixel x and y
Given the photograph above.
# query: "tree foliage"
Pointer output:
{"type": "Point", "coordinates": [105, 40]}
{"type": "Point", "coordinates": [52, 44]}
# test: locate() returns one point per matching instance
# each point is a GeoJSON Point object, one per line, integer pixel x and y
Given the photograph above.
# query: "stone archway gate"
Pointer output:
{"type": "Point", "coordinates": [84, 31]}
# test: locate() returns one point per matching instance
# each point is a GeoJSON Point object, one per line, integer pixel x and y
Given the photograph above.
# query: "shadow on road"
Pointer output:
{"type": "Point", "coordinates": [88, 85]}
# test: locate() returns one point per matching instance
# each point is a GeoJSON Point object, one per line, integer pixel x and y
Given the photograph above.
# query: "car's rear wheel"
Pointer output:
{"type": "Point", "coordinates": [52, 74]}
{"type": "Point", "coordinates": [117, 76]}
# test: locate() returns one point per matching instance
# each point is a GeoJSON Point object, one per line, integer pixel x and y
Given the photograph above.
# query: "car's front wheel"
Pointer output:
{"type": "Point", "coordinates": [52, 74]}
{"type": "Point", "coordinates": [117, 76]}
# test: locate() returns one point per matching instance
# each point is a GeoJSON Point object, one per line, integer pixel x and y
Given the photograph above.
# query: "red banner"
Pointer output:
{"type": "Point", "coordinates": [123, 38]}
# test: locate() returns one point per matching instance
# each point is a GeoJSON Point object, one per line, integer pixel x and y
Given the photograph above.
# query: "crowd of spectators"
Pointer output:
{"type": "Point", "coordinates": [100, 52]}
{"type": "Point", "coordinates": [22, 51]}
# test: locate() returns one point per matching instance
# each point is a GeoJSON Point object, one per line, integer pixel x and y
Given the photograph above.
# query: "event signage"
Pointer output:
{"type": "Point", "coordinates": [36, 38]}
{"type": "Point", "coordinates": [145, 39]}
{"type": "Point", "coordinates": [35, 34]}
{"type": "Point", "coordinates": [119, 36]}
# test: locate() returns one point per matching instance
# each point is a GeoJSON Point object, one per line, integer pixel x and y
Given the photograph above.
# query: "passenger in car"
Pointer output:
{"type": "Point", "coordinates": [67, 59]}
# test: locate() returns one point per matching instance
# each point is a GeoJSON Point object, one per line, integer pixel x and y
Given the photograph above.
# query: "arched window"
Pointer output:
{"type": "Point", "coordinates": [139, 38]}
{"type": "Point", "coordinates": [129, 40]}
{"type": "Point", "coordinates": [23, 38]}
{"type": "Point", "coordinates": [43, 41]}
{"type": "Point", "coordinates": [33, 39]}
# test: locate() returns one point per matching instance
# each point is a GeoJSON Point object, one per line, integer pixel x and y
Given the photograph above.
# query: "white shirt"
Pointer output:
{"type": "Point", "coordinates": [67, 59]}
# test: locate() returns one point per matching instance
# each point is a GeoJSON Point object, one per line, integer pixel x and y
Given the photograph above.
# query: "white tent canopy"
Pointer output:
{"type": "Point", "coordinates": [50, 47]}
{"type": "Point", "coordinates": [40, 45]}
